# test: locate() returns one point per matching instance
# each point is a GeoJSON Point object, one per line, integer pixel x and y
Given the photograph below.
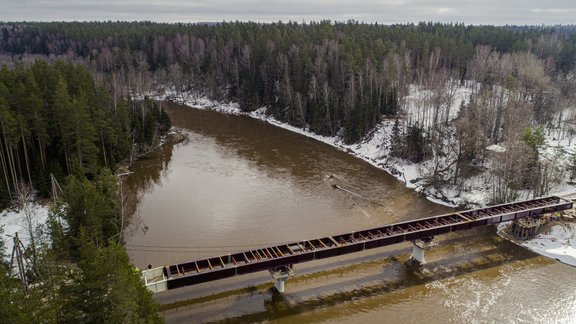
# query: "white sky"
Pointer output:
{"type": "Point", "coordinates": [498, 12]}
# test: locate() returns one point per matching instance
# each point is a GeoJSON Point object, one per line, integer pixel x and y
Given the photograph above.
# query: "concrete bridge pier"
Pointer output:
{"type": "Point", "coordinates": [281, 274]}
{"type": "Point", "coordinates": [419, 248]}
{"type": "Point", "coordinates": [418, 254]}
{"type": "Point", "coordinates": [279, 285]}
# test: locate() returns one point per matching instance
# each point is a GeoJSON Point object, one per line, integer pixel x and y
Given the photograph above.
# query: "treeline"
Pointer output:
{"type": "Point", "coordinates": [55, 119]}
{"type": "Point", "coordinates": [325, 76]}
{"type": "Point", "coordinates": [344, 78]}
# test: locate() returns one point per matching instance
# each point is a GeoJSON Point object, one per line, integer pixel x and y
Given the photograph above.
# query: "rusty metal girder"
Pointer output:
{"type": "Point", "coordinates": [219, 267]}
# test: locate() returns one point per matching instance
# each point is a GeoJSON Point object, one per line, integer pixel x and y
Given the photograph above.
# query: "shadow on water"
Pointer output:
{"type": "Point", "coordinates": [151, 171]}
{"type": "Point", "coordinates": [397, 273]}
{"type": "Point", "coordinates": [278, 306]}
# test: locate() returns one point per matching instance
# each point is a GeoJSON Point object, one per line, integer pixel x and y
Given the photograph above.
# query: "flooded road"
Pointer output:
{"type": "Point", "coordinates": [239, 183]}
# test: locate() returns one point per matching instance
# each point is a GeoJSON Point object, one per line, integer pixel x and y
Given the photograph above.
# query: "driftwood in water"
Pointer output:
{"type": "Point", "coordinates": [346, 190]}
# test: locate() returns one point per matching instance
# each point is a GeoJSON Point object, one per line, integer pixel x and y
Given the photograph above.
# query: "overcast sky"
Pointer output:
{"type": "Point", "coordinates": [499, 12]}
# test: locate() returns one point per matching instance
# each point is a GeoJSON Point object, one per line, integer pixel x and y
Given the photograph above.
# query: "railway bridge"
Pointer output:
{"type": "Point", "coordinates": [280, 259]}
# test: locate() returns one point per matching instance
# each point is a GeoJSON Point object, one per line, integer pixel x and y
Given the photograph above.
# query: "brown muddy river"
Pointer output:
{"type": "Point", "coordinates": [238, 183]}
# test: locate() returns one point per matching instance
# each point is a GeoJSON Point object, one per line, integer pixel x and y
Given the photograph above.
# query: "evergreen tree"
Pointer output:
{"type": "Point", "coordinates": [107, 289]}
{"type": "Point", "coordinates": [91, 209]}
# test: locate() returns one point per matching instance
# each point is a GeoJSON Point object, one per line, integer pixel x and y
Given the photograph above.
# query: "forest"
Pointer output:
{"type": "Point", "coordinates": [67, 108]}
{"type": "Point", "coordinates": [344, 78]}
{"type": "Point", "coordinates": [59, 126]}
{"type": "Point", "coordinates": [56, 120]}
{"type": "Point", "coordinates": [328, 76]}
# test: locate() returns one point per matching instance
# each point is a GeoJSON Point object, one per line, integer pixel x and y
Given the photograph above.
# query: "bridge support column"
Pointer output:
{"type": "Point", "coordinates": [419, 248]}
{"type": "Point", "coordinates": [417, 254]}
{"type": "Point", "coordinates": [280, 285]}
{"type": "Point", "coordinates": [281, 274]}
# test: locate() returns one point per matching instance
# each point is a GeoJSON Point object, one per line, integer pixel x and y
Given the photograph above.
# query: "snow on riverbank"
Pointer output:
{"type": "Point", "coordinates": [20, 221]}
{"type": "Point", "coordinates": [195, 100]}
{"type": "Point", "coordinates": [559, 243]}
{"type": "Point", "coordinates": [375, 147]}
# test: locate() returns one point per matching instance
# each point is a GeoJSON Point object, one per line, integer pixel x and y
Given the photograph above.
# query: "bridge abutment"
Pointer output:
{"type": "Point", "coordinates": [526, 228]}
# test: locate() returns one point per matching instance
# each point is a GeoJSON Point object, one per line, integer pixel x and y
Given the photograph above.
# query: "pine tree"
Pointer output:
{"type": "Point", "coordinates": [108, 289]}
{"type": "Point", "coordinates": [92, 209]}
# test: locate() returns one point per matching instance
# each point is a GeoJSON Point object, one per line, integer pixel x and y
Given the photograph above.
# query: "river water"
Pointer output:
{"type": "Point", "coordinates": [239, 183]}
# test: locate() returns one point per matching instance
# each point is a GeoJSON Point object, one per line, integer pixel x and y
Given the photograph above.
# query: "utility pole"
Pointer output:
{"type": "Point", "coordinates": [20, 258]}
{"type": "Point", "coordinates": [119, 176]}
{"type": "Point", "coordinates": [55, 188]}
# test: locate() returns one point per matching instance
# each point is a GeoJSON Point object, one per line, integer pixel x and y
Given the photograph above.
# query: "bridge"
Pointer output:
{"type": "Point", "coordinates": [279, 259]}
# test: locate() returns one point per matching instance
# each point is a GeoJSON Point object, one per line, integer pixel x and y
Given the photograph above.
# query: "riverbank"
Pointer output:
{"type": "Point", "coordinates": [475, 191]}
{"type": "Point", "coordinates": [556, 240]}
{"type": "Point", "coordinates": [34, 216]}
{"type": "Point", "coordinates": [374, 148]}
{"type": "Point", "coordinates": [559, 242]}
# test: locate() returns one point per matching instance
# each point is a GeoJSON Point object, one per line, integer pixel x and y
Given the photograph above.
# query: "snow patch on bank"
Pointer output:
{"type": "Point", "coordinates": [559, 243]}
{"type": "Point", "coordinates": [20, 221]}
{"type": "Point", "coordinates": [198, 101]}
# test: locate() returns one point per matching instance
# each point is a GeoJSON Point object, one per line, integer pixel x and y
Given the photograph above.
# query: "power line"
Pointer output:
{"type": "Point", "coordinates": [208, 247]}
{"type": "Point", "coordinates": [180, 251]}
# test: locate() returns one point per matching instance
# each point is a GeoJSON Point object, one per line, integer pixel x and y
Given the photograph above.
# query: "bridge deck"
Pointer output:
{"type": "Point", "coordinates": [195, 272]}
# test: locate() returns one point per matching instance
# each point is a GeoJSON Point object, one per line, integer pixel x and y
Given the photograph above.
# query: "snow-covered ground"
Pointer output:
{"type": "Point", "coordinates": [559, 243]}
{"type": "Point", "coordinates": [20, 221]}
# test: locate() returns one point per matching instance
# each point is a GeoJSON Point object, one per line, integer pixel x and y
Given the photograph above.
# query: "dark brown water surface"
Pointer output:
{"type": "Point", "coordinates": [239, 183]}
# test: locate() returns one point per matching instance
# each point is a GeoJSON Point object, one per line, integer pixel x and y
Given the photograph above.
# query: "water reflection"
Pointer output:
{"type": "Point", "coordinates": [151, 172]}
